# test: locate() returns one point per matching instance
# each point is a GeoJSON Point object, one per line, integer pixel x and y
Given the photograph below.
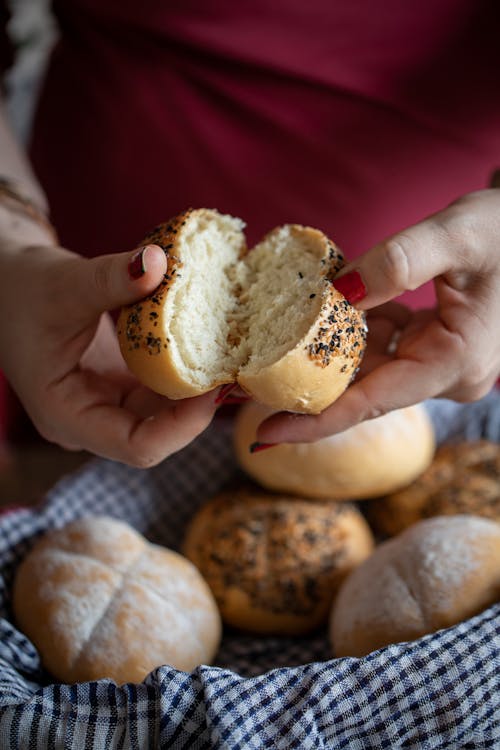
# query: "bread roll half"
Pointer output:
{"type": "Point", "coordinates": [270, 319]}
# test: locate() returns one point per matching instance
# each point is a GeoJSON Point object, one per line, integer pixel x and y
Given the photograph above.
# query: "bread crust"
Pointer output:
{"type": "Point", "coordinates": [99, 601]}
{"type": "Point", "coordinates": [368, 460]}
{"type": "Point", "coordinates": [141, 326]}
{"type": "Point", "coordinates": [274, 562]}
{"type": "Point", "coordinates": [306, 379]}
{"type": "Point", "coordinates": [317, 371]}
{"type": "Point", "coordinates": [433, 575]}
{"type": "Point", "coordinates": [463, 477]}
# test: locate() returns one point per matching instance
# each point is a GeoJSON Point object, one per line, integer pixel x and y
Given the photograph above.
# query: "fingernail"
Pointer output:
{"type": "Point", "coordinates": [351, 286]}
{"type": "Point", "coordinates": [257, 447]}
{"type": "Point", "coordinates": [224, 392]}
{"type": "Point", "coordinates": [137, 264]}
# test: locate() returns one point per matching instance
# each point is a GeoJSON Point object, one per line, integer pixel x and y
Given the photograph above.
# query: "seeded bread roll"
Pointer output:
{"type": "Point", "coordinates": [98, 600]}
{"type": "Point", "coordinates": [368, 460]}
{"type": "Point", "coordinates": [463, 478]}
{"type": "Point", "coordinates": [269, 319]}
{"type": "Point", "coordinates": [273, 562]}
{"type": "Point", "coordinates": [435, 574]}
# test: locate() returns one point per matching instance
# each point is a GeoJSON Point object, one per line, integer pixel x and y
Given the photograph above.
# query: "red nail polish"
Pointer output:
{"type": "Point", "coordinates": [137, 265]}
{"type": "Point", "coordinates": [257, 447]}
{"type": "Point", "coordinates": [351, 286]}
{"type": "Point", "coordinates": [224, 392]}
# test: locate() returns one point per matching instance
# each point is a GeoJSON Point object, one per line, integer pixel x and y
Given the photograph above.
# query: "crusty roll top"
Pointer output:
{"type": "Point", "coordinates": [98, 600]}
{"type": "Point", "coordinates": [464, 477]}
{"type": "Point", "coordinates": [433, 575]}
{"type": "Point", "coordinates": [274, 562]}
{"type": "Point", "coordinates": [374, 457]}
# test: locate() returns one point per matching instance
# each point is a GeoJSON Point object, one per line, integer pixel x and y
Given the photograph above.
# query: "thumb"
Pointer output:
{"type": "Point", "coordinates": [401, 263]}
{"type": "Point", "coordinates": [109, 281]}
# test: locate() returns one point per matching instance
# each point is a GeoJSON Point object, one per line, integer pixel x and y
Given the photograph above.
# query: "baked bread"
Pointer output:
{"type": "Point", "coordinates": [435, 574]}
{"type": "Point", "coordinates": [273, 562]}
{"type": "Point", "coordinates": [98, 600]}
{"type": "Point", "coordinates": [368, 460]}
{"type": "Point", "coordinates": [463, 478]}
{"type": "Point", "coordinates": [269, 319]}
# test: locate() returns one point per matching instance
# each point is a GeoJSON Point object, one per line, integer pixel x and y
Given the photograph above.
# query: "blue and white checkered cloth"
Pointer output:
{"type": "Point", "coordinates": [440, 692]}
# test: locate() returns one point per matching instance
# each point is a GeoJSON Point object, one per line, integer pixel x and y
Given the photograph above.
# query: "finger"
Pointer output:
{"type": "Point", "coordinates": [110, 281]}
{"type": "Point", "coordinates": [382, 333]}
{"type": "Point", "coordinates": [111, 430]}
{"type": "Point", "coordinates": [397, 313]}
{"type": "Point", "coordinates": [395, 384]}
{"type": "Point", "coordinates": [439, 245]}
{"type": "Point", "coordinates": [103, 355]}
{"type": "Point", "coordinates": [157, 437]}
{"type": "Point", "coordinates": [144, 402]}
{"type": "Point", "coordinates": [391, 386]}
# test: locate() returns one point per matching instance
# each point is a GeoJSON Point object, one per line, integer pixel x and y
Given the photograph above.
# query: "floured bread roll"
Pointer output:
{"type": "Point", "coordinates": [274, 563]}
{"type": "Point", "coordinates": [435, 574]}
{"type": "Point", "coordinates": [463, 478]}
{"type": "Point", "coordinates": [368, 460]}
{"type": "Point", "coordinates": [269, 319]}
{"type": "Point", "coordinates": [98, 600]}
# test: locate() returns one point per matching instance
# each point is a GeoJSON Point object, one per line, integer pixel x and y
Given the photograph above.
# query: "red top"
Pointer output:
{"type": "Point", "coordinates": [359, 118]}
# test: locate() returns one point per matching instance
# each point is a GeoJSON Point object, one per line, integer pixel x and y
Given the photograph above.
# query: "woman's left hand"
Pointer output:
{"type": "Point", "coordinates": [451, 351]}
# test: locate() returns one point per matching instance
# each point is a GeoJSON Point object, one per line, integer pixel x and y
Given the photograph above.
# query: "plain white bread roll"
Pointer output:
{"type": "Point", "coordinates": [269, 319]}
{"type": "Point", "coordinates": [98, 600]}
{"type": "Point", "coordinates": [368, 460]}
{"type": "Point", "coordinates": [435, 574]}
{"type": "Point", "coordinates": [274, 563]}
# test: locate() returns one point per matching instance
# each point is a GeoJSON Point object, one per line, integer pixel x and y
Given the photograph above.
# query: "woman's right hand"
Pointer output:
{"type": "Point", "coordinates": [59, 351]}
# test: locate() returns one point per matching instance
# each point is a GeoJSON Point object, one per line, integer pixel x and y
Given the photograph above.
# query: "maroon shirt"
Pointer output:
{"type": "Point", "coordinates": [359, 118]}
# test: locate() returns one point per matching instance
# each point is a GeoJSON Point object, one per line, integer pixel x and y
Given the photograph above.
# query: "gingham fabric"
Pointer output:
{"type": "Point", "coordinates": [442, 691]}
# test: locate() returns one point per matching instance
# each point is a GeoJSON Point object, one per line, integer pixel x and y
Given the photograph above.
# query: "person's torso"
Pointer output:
{"type": "Point", "coordinates": [359, 118]}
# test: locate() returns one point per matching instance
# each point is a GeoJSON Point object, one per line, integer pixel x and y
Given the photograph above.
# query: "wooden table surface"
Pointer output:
{"type": "Point", "coordinates": [30, 470]}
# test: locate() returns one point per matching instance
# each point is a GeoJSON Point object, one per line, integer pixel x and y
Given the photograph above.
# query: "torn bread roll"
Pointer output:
{"type": "Point", "coordinates": [269, 319]}
{"type": "Point", "coordinates": [435, 574]}
{"type": "Point", "coordinates": [99, 601]}
{"type": "Point", "coordinates": [274, 563]}
{"type": "Point", "coordinates": [367, 460]}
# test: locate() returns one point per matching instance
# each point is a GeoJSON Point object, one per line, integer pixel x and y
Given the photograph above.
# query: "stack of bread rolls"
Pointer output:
{"type": "Point", "coordinates": [450, 565]}
{"type": "Point", "coordinates": [276, 551]}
